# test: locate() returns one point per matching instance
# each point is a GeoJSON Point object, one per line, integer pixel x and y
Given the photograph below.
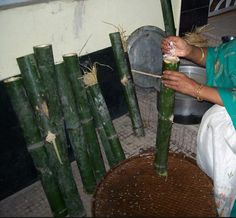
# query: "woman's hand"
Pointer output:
{"type": "Point", "coordinates": [176, 46]}
{"type": "Point", "coordinates": [179, 82]}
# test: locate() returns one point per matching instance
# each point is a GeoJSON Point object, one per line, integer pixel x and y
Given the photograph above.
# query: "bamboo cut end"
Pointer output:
{"type": "Point", "coordinates": [12, 79]}
{"type": "Point", "coordinates": [170, 59]}
{"type": "Point", "coordinates": [70, 55]}
{"type": "Point", "coordinates": [59, 62]}
{"type": "Point", "coordinates": [42, 46]}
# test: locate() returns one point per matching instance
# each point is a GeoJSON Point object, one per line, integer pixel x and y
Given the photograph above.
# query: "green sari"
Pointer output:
{"type": "Point", "coordinates": [221, 73]}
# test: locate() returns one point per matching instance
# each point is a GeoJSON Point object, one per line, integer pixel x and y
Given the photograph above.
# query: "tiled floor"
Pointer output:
{"type": "Point", "coordinates": [31, 201]}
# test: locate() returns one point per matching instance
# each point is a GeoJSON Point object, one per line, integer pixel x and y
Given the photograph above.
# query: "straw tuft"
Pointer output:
{"type": "Point", "coordinates": [196, 37]}
{"type": "Point", "coordinates": [123, 35]}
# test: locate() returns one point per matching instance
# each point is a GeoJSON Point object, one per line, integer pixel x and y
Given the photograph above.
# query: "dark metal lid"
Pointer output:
{"type": "Point", "coordinates": [144, 50]}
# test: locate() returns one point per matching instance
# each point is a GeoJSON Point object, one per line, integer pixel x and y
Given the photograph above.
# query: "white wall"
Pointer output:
{"type": "Point", "coordinates": [68, 24]}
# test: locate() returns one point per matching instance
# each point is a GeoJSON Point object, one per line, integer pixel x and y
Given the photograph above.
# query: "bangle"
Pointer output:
{"type": "Point", "coordinates": [202, 54]}
{"type": "Point", "coordinates": [197, 92]}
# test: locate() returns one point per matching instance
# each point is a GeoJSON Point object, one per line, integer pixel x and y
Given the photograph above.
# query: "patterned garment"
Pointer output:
{"type": "Point", "coordinates": [221, 73]}
{"type": "Point", "coordinates": [216, 141]}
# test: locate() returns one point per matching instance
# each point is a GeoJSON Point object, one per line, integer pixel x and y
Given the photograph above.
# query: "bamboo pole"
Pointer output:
{"type": "Point", "coordinates": [101, 133]}
{"type": "Point", "coordinates": [74, 129]}
{"type": "Point", "coordinates": [45, 62]}
{"type": "Point", "coordinates": [85, 116]}
{"type": "Point", "coordinates": [166, 99]}
{"type": "Point", "coordinates": [124, 70]}
{"type": "Point", "coordinates": [58, 158]}
{"type": "Point", "coordinates": [35, 144]}
{"type": "Point", "coordinates": [90, 80]}
{"type": "Point", "coordinates": [168, 17]}
{"type": "Point", "coordinates": [165, 120]}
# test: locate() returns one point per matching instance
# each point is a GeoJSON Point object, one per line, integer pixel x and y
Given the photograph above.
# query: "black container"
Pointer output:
{"type": "Point", "coordinates": [227, 38]}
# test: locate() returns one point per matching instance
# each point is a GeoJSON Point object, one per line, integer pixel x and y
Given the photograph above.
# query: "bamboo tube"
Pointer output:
{"type": "Point", "coordinates": [165, 120]}
{"type": "Point", "coordinates": [90, 80]}
{"type": "Point", "coordinates": [35, 144]}
{"type": "Point", "coordinates": [101, 133]}
{"type": "Point", "coordinates": [74, 129]}
{"type": "Point", "coordinates": [58, 158]}
{"type": "Point", "coordinates": [168, 17]}
{"type": "Point", "coordinates": [166, 99]}
{"type": "Point", "coordinates": [45, 62]}
{"type": "Point", "coordinates": [124, 70]}
{"type": "Point", "coordinates": [85, 116]}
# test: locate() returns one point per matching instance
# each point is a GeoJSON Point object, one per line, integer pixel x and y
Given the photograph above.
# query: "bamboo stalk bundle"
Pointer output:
{"type": "Point", "coordinates": [90, 80]}
{"type": "Point", "coordinates": [58, 158]}
{"type": "Point", "coordinates": [74, 129]}
{"type": "Point", "coordinates": [85, 116]}
{"type": "Point", "coordinates": [45, 62]}
{"type": "Point", "coordinates": [124, 70]}
{"type": "Point", "coordinates": [35, 144]}
{"type": "Point", "coordinates": [166, 99]}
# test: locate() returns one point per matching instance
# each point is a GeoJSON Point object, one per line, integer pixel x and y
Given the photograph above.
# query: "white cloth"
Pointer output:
{"type": "Point", "coordinates": [216, 156]}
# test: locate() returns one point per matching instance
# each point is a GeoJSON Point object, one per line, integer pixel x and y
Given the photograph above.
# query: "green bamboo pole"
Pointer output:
{"type": "Point", "coordinates": [168, 17]}
{"type": "Point", "coordinates": [101, 133]}
{"type": "Point", "coordinates": [124, 70]}
{"type": "Point", "coordinates": [74, 129]}
{"type": "Point", "coordinates": [166, 99]}
{"type": "Point", "coordinates": [35, 144]}
{"type": "Point", "coordinates": [165, 120]}
{"type": "Point", "coordinates": [90, 80]}
{"type": "Point", "coordinates": [85, 116]}
{"type": "Point", "coordinates": [45, 62]}
{"type": "Point", "coordinates": [58, 158]}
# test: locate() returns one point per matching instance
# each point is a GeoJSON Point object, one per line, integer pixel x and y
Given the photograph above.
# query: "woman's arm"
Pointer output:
{"type": "Point", "coordinates": [183, 84]}
{"type": "Point", "coordinates": [209, 94]}
{"type": "Point", "coordinates": [197, 55]}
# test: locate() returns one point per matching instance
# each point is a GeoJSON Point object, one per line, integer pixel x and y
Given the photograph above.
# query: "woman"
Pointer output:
{"type": "Point", "coordinates": [216, 140]}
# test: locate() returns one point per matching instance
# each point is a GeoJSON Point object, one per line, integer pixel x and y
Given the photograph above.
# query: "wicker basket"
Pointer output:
{"type": "Point", "coordinates": [133, 188]}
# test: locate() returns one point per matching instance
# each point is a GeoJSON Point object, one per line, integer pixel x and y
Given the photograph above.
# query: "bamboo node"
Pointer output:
{"type": "Point", "coordinates": [35, 146]}
{"type": "Point", "coordinates": [51, 138]}
{"type": "Point", "coordinates": [44, 109]}
{"type": "Point", "coordinates": [124, 80]}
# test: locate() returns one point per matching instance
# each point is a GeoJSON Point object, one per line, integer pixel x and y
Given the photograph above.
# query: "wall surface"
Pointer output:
{"type": "Point", "coordinates": [72, 26]}
{"type": "Point", "coordinates": [197, 10]}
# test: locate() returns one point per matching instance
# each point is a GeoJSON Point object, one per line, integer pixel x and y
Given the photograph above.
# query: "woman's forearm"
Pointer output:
{"type": "Point", "coordinates": [208, 94]}
{"type": "Point", "coordinates": [197, 55]}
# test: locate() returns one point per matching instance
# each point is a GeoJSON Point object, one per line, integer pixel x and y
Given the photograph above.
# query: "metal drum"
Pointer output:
{"type": "Point", "coordinates": [188, 110]}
